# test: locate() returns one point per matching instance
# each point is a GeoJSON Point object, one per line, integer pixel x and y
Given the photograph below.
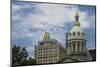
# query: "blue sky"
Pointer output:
{"type": "Point", "coordinates": [30, 21]}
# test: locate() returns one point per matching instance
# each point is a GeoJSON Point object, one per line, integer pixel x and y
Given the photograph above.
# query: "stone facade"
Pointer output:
{"type": "Point", "coordinates": [49, 51]}
{"type": "Point", "coordinates": [76, 43]}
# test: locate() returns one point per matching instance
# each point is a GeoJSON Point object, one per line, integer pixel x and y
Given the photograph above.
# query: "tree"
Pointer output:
{"type": "Point", "coordinates": [32, 61]}
{"type": "Point", "coordinates": [18, 55]}
{"type": "Point", "coordinates": [29, 61]}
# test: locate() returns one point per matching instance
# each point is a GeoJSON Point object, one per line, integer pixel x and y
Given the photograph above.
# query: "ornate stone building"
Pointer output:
{"type": "Point", "coordinates": [76, 43]}
{"type": "Point", "coordinates": [50, 50]}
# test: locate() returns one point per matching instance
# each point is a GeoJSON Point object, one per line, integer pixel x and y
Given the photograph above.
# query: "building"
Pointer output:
{"type": "Point", "coordinates": [76, 44]}
{"type": "Point", "coordinates": [49, 50]}
{"type": "Point", "coordinates": [93, 54]}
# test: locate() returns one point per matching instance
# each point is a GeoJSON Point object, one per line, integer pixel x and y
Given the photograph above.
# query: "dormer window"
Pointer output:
{"type": "Point", "coordinates": [78, 33]}
{"type": "Point", "coordinates": [73, 33]}
{"type": "Point", "coordinates": [41, 43]}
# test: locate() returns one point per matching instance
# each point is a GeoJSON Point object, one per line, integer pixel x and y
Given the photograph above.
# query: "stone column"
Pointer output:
{"type": "Point", "coordinates": [78, 44]}
{"type": "Point", "coordinates": [76, 47]}
{"type": "Point", "coordinates": [80, 47]}
{"type": "Point", "coordinates": [71, 47]}
{"type": "Point", "coordinates": [84, 47]}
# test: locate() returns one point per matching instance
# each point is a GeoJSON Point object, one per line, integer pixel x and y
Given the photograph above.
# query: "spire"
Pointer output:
{"type": "Point", "coordinates": [46, 36]}
{"type": "Point", "coordinates": [77, 23]}
{"type": "Point", "coordinates": [77, 16]}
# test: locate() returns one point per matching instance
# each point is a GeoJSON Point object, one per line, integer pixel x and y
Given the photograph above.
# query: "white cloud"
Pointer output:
{"type": "Point", "coordinates": [86, 20]}
{"type": "Point", "coordinates": [53, 15]}
{"type": "Point", "coordinates": [50, 14]}
{"type": "Point", "coordinates": [15, 8]}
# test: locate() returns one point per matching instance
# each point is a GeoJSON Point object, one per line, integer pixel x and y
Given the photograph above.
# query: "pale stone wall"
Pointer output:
{"type": "Point", "coordinates": [50, 53]}
{"type": "Point", "coordinates": [76, 48]}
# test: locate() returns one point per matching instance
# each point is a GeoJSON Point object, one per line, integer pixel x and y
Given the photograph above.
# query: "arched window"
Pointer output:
{"type": "Point", "coordinates": [73, 33]}
{"type": "Point", "coordinates": [78, 33]}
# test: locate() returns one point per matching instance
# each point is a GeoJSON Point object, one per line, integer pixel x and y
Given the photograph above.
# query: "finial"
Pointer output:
{"type": "Point", "coordinates": [77, 19]}
{"type": "Point", "coordinates": [46, 36]}
{"type": "Point", "coordinates": [77, 16]}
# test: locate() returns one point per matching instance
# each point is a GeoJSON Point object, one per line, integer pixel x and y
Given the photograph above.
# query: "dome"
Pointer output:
{"type": "Point", "coordinates": [76, 32]}
{"type": "Point", "coordinates": [76, 29]}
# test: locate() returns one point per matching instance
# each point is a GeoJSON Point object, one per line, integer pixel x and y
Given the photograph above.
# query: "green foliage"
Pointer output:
{"type": "Point", "coordinates": [29, 61]}
{"type": "Point", "coordinates": [20, 56]}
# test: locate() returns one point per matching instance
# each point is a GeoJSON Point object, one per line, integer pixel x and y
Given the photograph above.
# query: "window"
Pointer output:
{"type": "Point", "coordinates": [41, 43]}
{"type": "Point", "coordinates": [78, 33]}
{"type": "Point", "coordinates": [73, 33]}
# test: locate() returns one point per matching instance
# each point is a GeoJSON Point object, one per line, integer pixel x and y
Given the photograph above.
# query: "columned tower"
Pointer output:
{"type": "Point", "coordinates": [76, 42]}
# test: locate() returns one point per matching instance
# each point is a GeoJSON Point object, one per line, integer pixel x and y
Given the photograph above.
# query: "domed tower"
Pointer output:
{"type": "Point", "coordinates": [76, 42]}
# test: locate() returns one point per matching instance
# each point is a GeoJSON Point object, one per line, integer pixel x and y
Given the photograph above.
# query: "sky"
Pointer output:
{"type": "Point", "coordinates": [31, 20]}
